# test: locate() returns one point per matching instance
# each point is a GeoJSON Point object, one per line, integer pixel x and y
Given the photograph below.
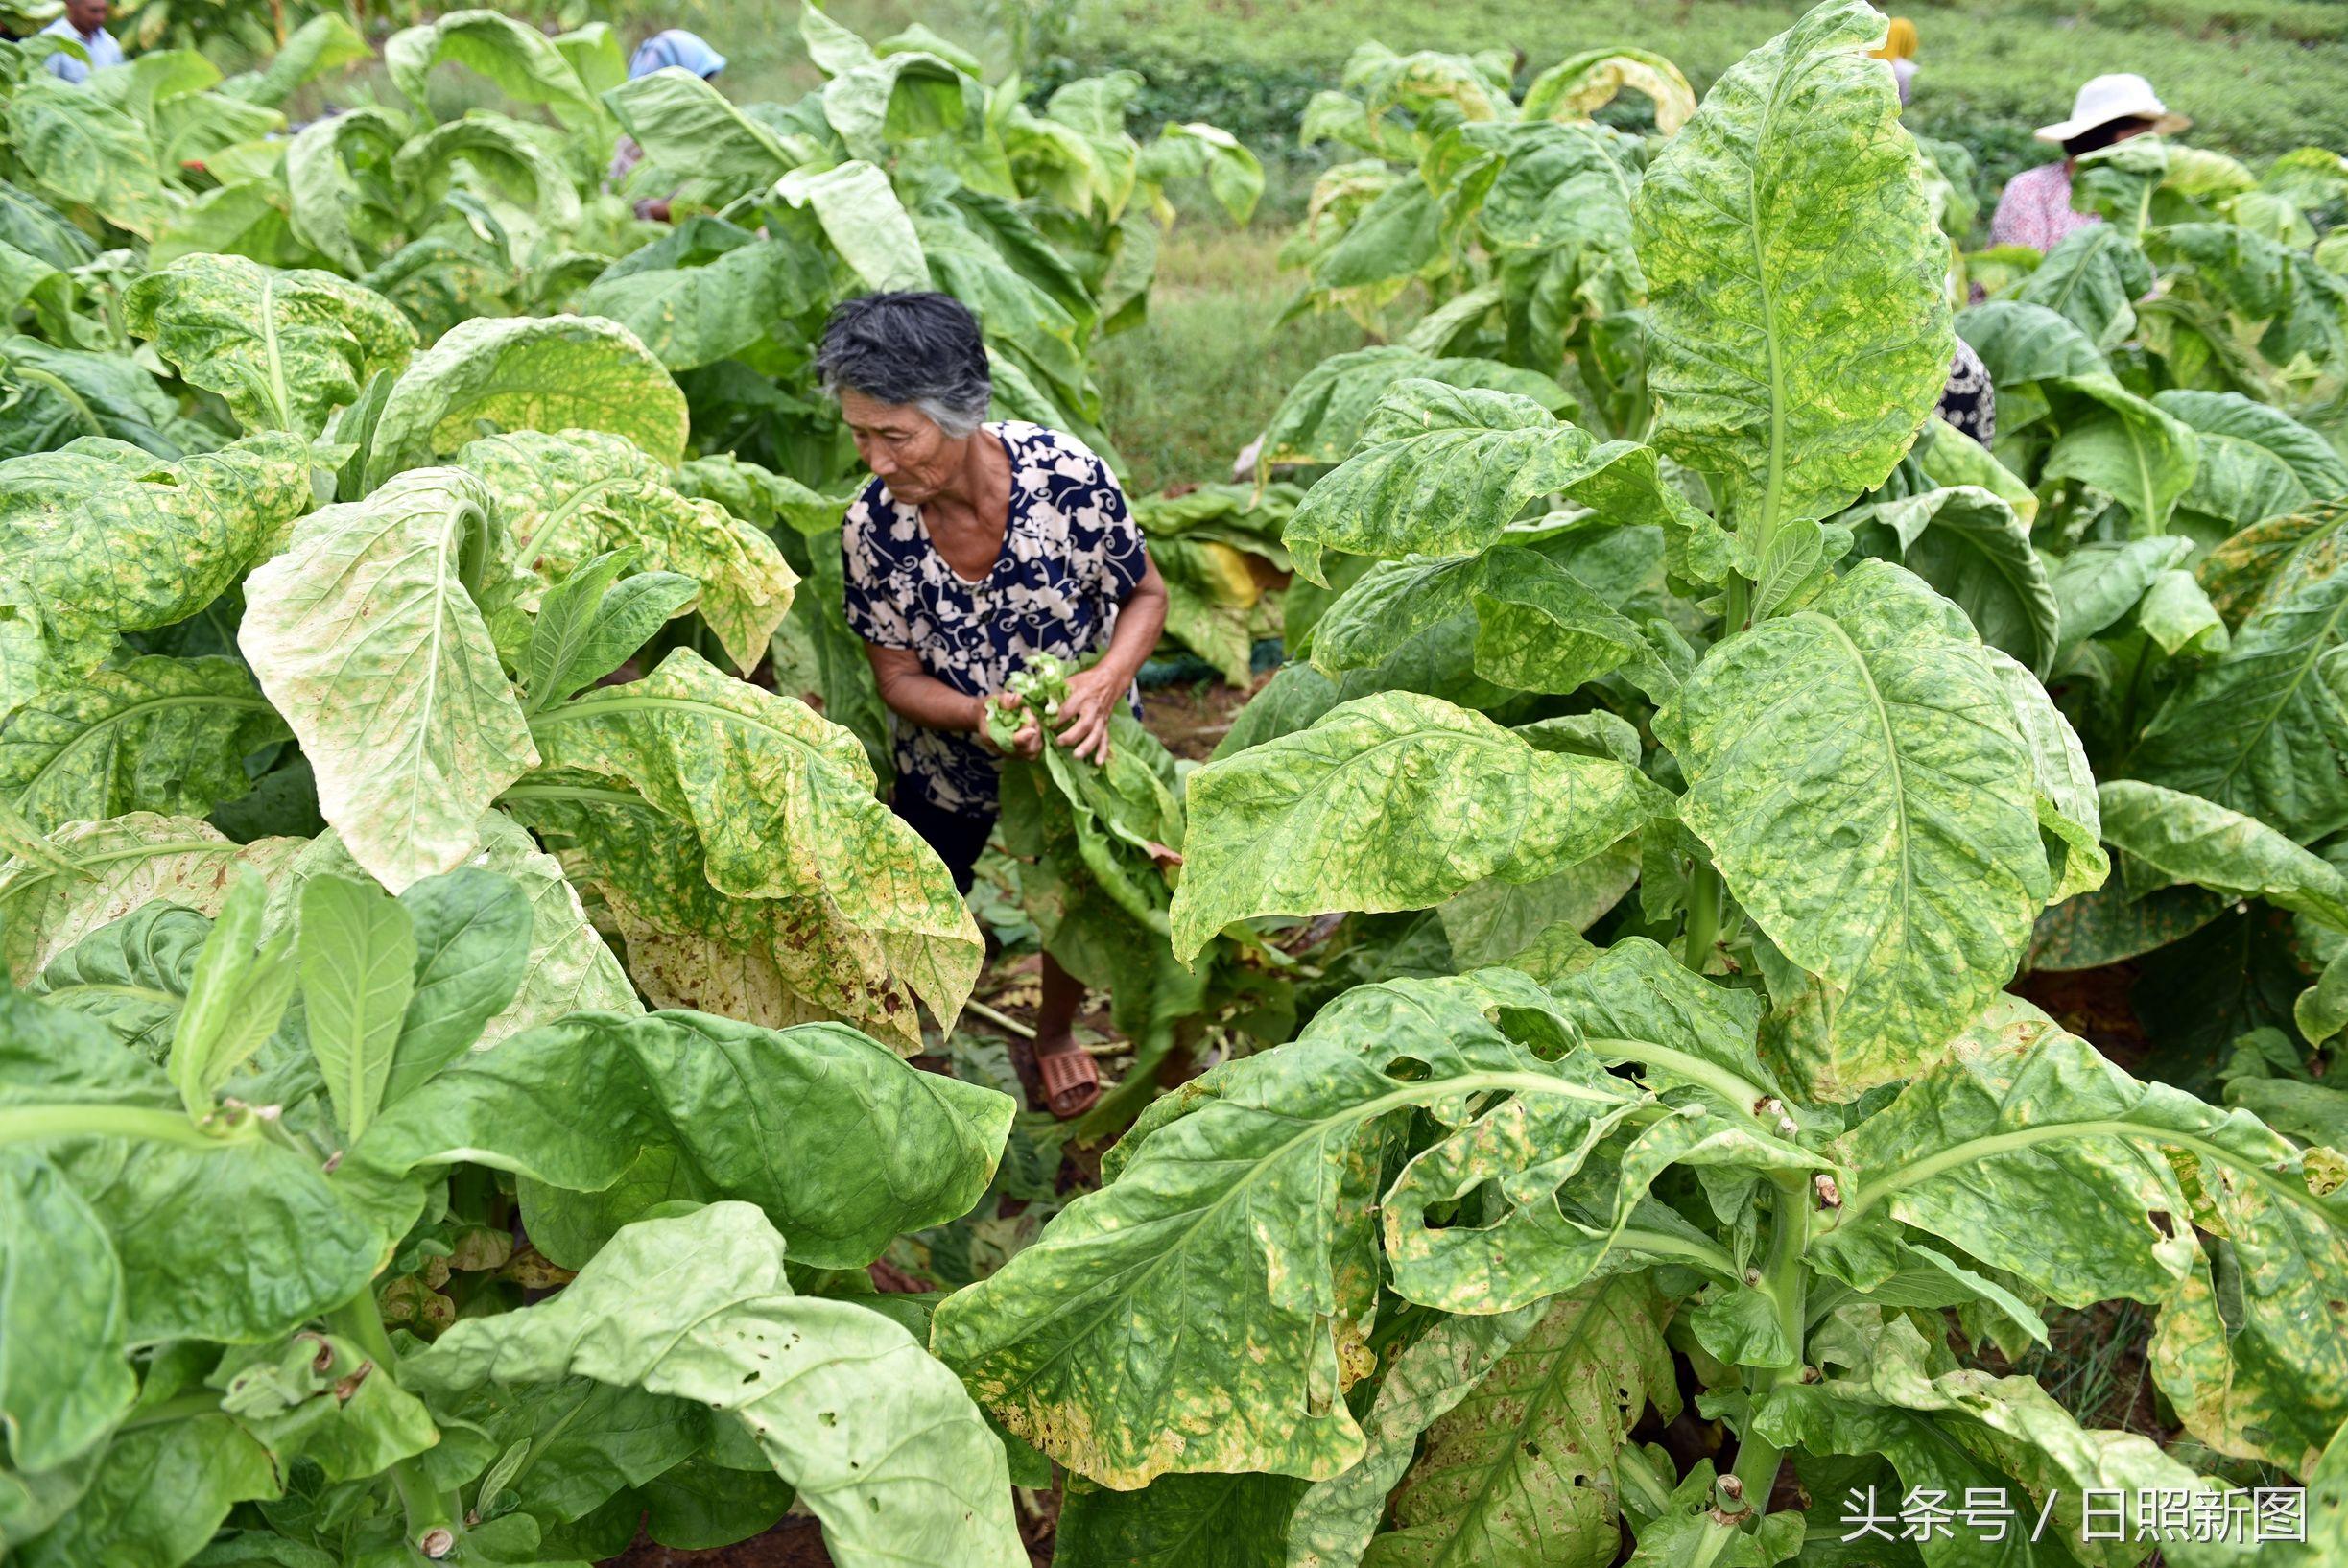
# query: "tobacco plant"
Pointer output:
{"type": "Point", "coordinates": [1402, 1288]}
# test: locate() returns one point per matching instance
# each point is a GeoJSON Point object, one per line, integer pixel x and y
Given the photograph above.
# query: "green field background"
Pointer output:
{"type": "Point", "coordinates": [1189, 388]}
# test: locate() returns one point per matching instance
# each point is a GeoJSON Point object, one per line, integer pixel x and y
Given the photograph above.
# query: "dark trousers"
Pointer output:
{"type": "Point", "coordinates": [959, 840]}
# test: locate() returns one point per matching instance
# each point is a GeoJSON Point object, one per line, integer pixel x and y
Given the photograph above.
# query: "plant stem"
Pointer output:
{"type": "Point", "coordinates": [360, 1321]}
{"type": "Point", "coordinates": [1704, 924]}
{"type": "Point", "coordinates": [24, 1124]}
{"type": "Point", "coordinates": [1784, 1281]}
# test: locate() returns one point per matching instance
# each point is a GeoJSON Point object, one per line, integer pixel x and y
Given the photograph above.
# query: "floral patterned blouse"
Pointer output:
{"type": "Point", "coordinates": [1071, 554]}
{"type": "Point", "coordinates": [2035, 209]}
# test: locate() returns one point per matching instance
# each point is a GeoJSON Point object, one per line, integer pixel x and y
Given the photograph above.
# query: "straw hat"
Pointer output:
{"type": "Point", "coordinates": [2123, 95]}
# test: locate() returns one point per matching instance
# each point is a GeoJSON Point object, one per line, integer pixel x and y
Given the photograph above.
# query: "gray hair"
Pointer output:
{"type": "Point", "coordinates": [919, 350]}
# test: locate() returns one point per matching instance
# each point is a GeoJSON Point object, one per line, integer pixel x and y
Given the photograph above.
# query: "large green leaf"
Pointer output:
{"type": "Point", "coordinates": [367, 631]}
{"type": "Point", "coordinates": [1798, 328]}
{"type": "Point", "coordinates": [520, 60]}
{"type": "Point", "coordinates": [358, 976]}
{"type": "Point", "coordinates": [155, 734]}
{"type": "Point", "coordinates": [881, 1442]}
{"type": "Point", "coordinates": [697, 315]}
{"type": "Point", "coordinates": [61, 395]}
{"type": "Point", "coordinates": [159, 1494]}
{"type": "Point", "coordinates": [566, 498]}
{"type": "Point", "coordinates": [124, 861]}
{"type": "Point", "coordinates": [1520, 1474]}
{"type": "Point", "coordinates": [554, 372]}
{"type": "Point", "coordinates": [836, 1139]}
{"type": "Point", "coordinates": [2263, 729]}
{"type": "Point", "coordinates": [236, 1239]}
{"type": "Point", "coordinates": [2023, 344]}
{"type": "Point", "coordinates": [1968, 544]}
{"type": "Point", "coordinates": [686, 126]}
{"type": "Point", "coordinates": [2129, 449]}
{"type": "Point", "coordinates": [104, 546]}
{"type": "Point", "coordinates": [132, 975]}
{"type": "Point", "coordinates": [2092, 279]}
{"type": "Point", "coordinates": [2026, 1118]}
{"type": "Point", "coordinates": [1227, 1271]}
{"type": "Point", "coordinates": [1861, 780]}
{"type": "Point", "coordinates": [1322, 415]}
{"type": "Point", "coordinates": [67, 1382]}
{"type": "Point", "coordinates": [2098, 583]}
{"type": "Point", "coordinates": [1392, 802]}
{"type": "Point", "coordinates": [2184, 838]}
{"type": "Point", "coordinates": [864, 219]}
{"type": "Point", "coordinates": [1442, 471]}
{"type": "Point", "coordinates": [781, 804]}
{"type": "Point", "coordinates": [2256, 462]}
{"type": "Point", "coordinates": [285, 349]}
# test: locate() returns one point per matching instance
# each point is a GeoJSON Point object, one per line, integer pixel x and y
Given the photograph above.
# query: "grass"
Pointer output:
{"type": "Point", "coordinates": [2259, 77]}
{"type": "Point", "coordinates": [1188, 389]}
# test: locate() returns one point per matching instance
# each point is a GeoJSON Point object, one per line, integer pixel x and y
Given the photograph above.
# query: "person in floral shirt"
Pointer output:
{"type": "Point", "coordinates": [977, 546]}
{"type": "Point", "coordinates": [2035, 208]}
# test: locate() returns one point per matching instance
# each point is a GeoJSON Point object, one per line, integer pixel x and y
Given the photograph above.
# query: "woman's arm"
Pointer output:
{"type": "Point", "coordinates": [1093, 694]}
{"type": "Point", "coordinates": [918, 696]}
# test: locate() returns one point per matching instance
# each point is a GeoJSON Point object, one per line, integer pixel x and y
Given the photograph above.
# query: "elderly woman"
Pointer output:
{"type": "Point", "coordinates": [977, 546]}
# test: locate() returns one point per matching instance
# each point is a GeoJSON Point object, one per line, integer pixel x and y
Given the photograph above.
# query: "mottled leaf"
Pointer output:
{"type": "Point", "coordinates": [782, 805]}
{"type": "Point", "coordinates": [2263, 729]}
{"type": "Point", "coordinates": [1443, 470]}
{"type": "Point", "coordinates": [554, 372]}
{"type": "Point", "coordinates": [103, 549]}
{"type": "Point", "coordinates": [1336, 815]}
{"type": "Point", "coordinates": [1799, 331]}
{"type": "Point", "coordinates": [283, 348]}
{"type": "Point", "coordinates": [155, 734]}
{"type": "Point", "coordinates": [881, 1444]}
{"type": "Point", "coordinates": [367, 631]}
{"type": "Point", "coordinates": [1860, 777]}
{"type": "Point", "coordinates": [564, 499]}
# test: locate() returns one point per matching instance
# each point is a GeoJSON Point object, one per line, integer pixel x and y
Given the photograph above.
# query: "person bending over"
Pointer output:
{"type": "Point", "coordinates": [977, 546]}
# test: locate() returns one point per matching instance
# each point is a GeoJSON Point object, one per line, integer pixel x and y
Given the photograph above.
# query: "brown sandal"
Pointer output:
{"type": "Point", "coordinates": [1071, 1082]}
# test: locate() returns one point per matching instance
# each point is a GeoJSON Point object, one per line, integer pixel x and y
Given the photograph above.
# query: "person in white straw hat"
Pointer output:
{"type": "Point", "coordinates": [2035, 209]}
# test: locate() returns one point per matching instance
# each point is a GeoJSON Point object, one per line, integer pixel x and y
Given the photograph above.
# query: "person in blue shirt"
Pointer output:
{"type": "Point", "coordinates": [84, 22]}
{"type": "Point", "coordinates": [673, 48]}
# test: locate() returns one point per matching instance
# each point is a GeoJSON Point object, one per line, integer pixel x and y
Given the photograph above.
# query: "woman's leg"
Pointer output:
{"type": "Point", "coordinates": [1071, 1083]}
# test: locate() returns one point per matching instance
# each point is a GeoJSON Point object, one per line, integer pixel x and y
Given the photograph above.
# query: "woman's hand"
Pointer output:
{"type": "Point", "coordinates": [1093, 695]}
{"type": "Point", "coordinates": [1028, 744]}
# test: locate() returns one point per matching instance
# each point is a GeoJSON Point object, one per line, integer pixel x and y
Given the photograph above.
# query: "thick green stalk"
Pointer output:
{"type": "Point", "coordinates": [25, 1124]}
{"type": "Point", "coordinates": [1784, 1280]}
{"type": "Point", "coordinates": [360, 1321]}
{"type": "Point", "coordinates": [1704, 924]}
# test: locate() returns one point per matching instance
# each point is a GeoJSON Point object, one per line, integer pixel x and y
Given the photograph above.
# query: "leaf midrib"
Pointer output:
{"type": "Point", "coordinates": [1408, 1094]}
{"type": "Point", "coordinates": [1507, 1461]}
{"type": "Point", "coordinates": [124, 714]}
